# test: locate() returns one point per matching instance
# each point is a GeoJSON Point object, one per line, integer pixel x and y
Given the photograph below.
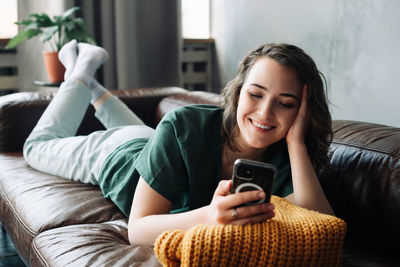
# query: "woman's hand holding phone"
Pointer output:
{"type": "Point", "coordinates": [227, 208]}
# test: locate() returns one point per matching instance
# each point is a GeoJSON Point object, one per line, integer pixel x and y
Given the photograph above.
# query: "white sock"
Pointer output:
{"type": "Point", "coordinates": [97, 90]}
{"type": "Point", "coordinates": [67, 56]}
{"type": "Point", "coordinates": [90, 58]}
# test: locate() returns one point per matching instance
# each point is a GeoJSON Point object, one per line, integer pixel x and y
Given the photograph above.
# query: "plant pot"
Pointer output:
{"type": "Point", "coordinates": [55, 69]}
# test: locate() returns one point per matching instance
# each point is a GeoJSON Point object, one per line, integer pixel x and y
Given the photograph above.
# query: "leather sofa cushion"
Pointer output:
{"type": "Point", "coordinates": [101, 244]}
{"type": "Point", "coordinates": [33, 202]}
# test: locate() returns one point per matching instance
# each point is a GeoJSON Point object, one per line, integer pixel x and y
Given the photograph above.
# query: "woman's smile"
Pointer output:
{"type": "Point", "coordinates": [267, 104]}
{"type": "Point", "coordinates": [261, 126]}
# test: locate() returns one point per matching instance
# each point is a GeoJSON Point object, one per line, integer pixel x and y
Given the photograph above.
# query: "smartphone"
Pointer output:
{"type": "Point", "coordinates": [253, 175]}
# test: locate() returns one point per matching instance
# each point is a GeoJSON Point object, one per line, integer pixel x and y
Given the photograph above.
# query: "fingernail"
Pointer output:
{"type": "Point", "coordinates": [269, 206]}
{"type": "Point", "coordinates": [261, 194]}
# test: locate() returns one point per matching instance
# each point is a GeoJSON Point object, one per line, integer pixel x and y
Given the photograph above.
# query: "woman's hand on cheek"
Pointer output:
{"type": "Point", "coordinates": [222, 207]}
{"type": "Point", "coordinates": [298, 129]}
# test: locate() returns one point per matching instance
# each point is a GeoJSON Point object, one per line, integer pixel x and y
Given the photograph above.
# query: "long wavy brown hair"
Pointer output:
{"type": "Point", "coordinates": [319, 134]}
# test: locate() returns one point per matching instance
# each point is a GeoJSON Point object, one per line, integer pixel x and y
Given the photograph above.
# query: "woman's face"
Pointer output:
{"type": "Point", "coordinates": [267, 105]}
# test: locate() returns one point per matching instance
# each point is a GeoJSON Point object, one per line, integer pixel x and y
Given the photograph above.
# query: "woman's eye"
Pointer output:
{"type": "Point", "coordinates": [286, 105]}
{"type": "Point", "coordinates": [255, 95]}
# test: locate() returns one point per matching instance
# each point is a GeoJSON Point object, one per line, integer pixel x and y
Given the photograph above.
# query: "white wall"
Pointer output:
{"type": "Point", "coordinates": [354, 43]}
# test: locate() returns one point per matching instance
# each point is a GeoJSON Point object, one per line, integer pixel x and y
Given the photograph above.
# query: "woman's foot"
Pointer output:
{"type": "Point", "coordinates": [90, 58]}
{"type": "Point", "coordinates": [81, 61]}
{"type": "Point", "coordinates": [68, 55]}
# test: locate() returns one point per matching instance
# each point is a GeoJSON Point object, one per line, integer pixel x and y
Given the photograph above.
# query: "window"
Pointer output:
{"type": "Point", "coordinates": [196, 19]}
{"type": "Point", "coordinates": [8, 62]}
{"type": "Point", "coordinates": [8, 15]}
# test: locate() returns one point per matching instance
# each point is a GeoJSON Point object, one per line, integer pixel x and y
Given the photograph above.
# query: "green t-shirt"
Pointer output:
{"type": "Point", "coordinates": [181, 161]}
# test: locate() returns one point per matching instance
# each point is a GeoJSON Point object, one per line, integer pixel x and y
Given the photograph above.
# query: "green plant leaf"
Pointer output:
{"type": "Point", "coordinates": [69, 26]}
{"type": "Point", "coordinates": [48, 33]}
{"type": "Point", "coordinates": [58, 20]}
{"type": "Point", "coordinates": [70, 35]}
{"type": "Point", "coordinates": [80, 36]}
{"type": "Point", "coordinates": [69, 12]}
{"type": "Point", "coordinates": [43, 20]}
{"type": "Point", "coordinates": [32, 26]}
{"type": "Point", "coordinates": [91, 40]}
{"type": "Point", "coordinates": [34, 15]}
{"type": "Point", "coordinates": [19, 38]}
{"type": "Point", "coordinates": [59, 30]}
{"type": "Point", "coordinates": [33, 33]}
{"type": "Point", "coordinates": [80, 23]}
{"type": "Point", "coordinates": [24, 22]}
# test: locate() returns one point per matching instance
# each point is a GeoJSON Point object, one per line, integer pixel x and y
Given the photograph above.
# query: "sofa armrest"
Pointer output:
{"type": "Point", "coordinates": [20, 112]}
{"type": "Point", "coordinates": [363, 181]}
{"type": "Point", "coordinates": [189, 98]}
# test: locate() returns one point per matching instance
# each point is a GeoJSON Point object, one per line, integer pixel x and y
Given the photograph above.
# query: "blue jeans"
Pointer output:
{"type": "Point", "coordinates": [53, 148]}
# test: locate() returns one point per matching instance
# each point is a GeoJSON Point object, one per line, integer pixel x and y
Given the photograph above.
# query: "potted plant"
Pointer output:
{"type": "Point", "coordinates": [57, 31]}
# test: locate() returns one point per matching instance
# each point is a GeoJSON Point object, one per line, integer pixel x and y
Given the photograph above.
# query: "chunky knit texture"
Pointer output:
{"type": "Point", "coordinates": [294, 237]}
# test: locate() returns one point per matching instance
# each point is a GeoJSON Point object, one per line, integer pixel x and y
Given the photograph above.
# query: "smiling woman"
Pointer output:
{"type": "Point", "coordinates": [265, 104]}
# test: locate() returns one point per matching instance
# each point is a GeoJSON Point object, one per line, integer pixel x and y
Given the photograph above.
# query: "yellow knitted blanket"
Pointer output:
{"type": "Point", "coordinates": [294, 237]}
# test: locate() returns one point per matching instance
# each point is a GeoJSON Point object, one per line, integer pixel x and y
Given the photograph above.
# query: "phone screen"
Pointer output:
{"type": "Point", "coordinates": [253, 175]}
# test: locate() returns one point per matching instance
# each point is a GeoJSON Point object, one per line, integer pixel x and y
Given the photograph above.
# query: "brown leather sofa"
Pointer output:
{"type": "Point", "coordinates": [56, 222]}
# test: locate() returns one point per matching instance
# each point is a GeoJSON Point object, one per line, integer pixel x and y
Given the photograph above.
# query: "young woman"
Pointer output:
{"type": "Point", "coordinates": [178, 175]}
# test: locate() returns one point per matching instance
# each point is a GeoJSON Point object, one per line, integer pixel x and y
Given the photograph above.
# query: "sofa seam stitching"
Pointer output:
{"type": "Point", "coordinates": [366, 147]}
{"type": "Point", "coordinates": [38, 254]}
{"type": "Point", "coordinates": [31, 231]}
